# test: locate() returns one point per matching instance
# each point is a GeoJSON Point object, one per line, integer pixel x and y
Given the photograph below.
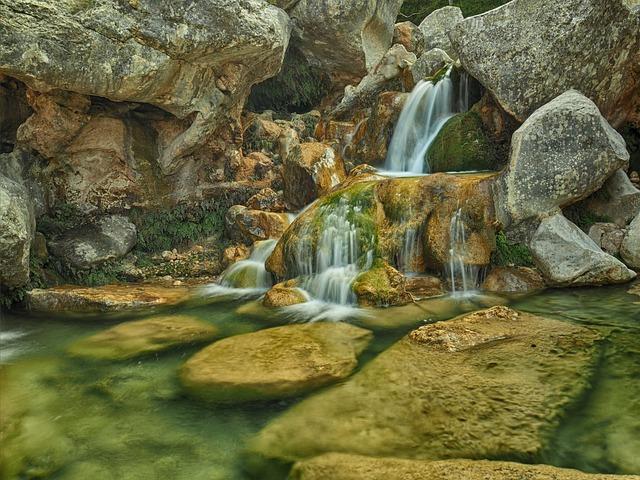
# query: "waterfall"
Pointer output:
{"type": "Point", "coordinates": [463, 278]}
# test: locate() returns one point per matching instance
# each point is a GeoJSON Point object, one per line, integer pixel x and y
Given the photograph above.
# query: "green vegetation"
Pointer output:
{"type": "Point", "coordinates": [298, 87]}
{"type": "Point", "coordinates": [511, 253]}
{"type": "Point", "coordinates": [10, 296]}
{"type": "Point", "coordinates": [61, 218]}
{"type": "Point", "coordinates": [417, 10]}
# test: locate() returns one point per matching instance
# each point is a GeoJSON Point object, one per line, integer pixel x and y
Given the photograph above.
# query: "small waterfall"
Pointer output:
{"type": "Point", "coordinates": [410, 249]}
{"type": "Point", "coordinates": [463, 278]}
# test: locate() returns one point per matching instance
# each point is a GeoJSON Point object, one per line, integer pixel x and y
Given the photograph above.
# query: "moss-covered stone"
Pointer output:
{"type": "Point", "coordinates": [511, 254]}
{"type": "Point", "coordinates": [381, 286]}
{"type": "Point", "coordinates": [461, 145]}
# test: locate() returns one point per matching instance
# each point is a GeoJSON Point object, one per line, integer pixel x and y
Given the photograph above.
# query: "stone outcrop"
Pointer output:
{"type": "Point", "coordinates": [409, 35]}
{"type": "Point", "coordinates": [428, 64]}
{"type": "Point", "coordinates": [190, 60]}
{"type": "Point", "coordinates": [608, 236]}
{"type": "Point", "coordinates": [407, 403]}
{"type": "Point", "coordinates": [530, 51]}
{"type": "Point", "coordinates": [340, 466]}
{"type": "Point", "coordinates": [630, 248]}
{"type": "Point", "coordinates": [143, 337]}
{"type": "Point", "coordinates": [567, 256]}
{"type": "Point", "coordinates": [109, 238]}
{"type": "Point", "coordinates": [618, 200]}
{"type": "Point", "coordinates": [248, 226]}
{"type": "Point", "coordinates": [563, 152]}
{"type": "Point", "coordinates": [513, 280]}
{"type": "Point", "coordinates": [436, 27]}
{"type": "Point", "coordinates": [274, 363]}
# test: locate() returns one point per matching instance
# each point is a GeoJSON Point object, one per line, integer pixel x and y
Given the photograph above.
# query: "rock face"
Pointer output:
{"type": "Point", "coordinates": [429, 63]}
{"type": "Point", "coordinates": [436, 27]}
{"type": "Point", "coordinates": [248, 226]}
{"type": "Point", "coordinates": [561, 154]}
{"type": "Point", "coordinates": [407, 403]}
{"type": "Point", "coordinates": [143, 337]}
{"type": "Point", "coordinates": [340, 466]}
{"type": "Point", "coordinates": [16, 233]}
{"type": "Point", "coordinates": [567, 256]}
{"type": "Point", "coordinates": [274, 363]}
{"type": "Point", "coordinates": [618, 200]}
{"type": "Point", "coordinates": [513, 280]}
{"type": "Point", "coordinates": [109, 238]}
{"type": "Point", "coordinates": [592, 46]}
{"type": "Point", "coordinates": [608, 236]}
{"type": "Point", "coordinates": [310, 171]}
{"type": "Point", "coordinates": [344, 37]}
{"type": "Point", "coordinates": [188, 60]}
{"type": "Point", "coordinates": [630, 248]}
{"type": "Point", "coordinates": [409, 35]}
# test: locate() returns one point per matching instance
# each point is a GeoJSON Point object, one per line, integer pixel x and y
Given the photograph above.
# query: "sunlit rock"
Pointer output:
{"type": "Point", "coordinates": [284, 294]}
{"type": "Point", "coordinates": [380, 286]}
{"type": "Point", "coordinates": [248, 226]}
{"type": "Point", "coordinates": [436, 27]}
{"type": "Point", "coordinates": [428, 64]}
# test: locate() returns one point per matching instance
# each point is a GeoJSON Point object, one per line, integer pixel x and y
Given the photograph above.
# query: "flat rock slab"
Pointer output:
{"type": "Point", "coordinates": [274, 363]}
{"type": "Point", "coordinates": [491, 384]}
{"type": "Point", "coordinates": [142, 337]}
{"type": "Point", "coordinates": [108, 298]}
{"type": "Point", "coordinates": [337, 466]}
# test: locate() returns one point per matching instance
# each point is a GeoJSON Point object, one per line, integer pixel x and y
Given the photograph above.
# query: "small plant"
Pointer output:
{"type": "Point", "coordinates": [511, 253]}
{"type": "Point", "coordinates": [61, 218]}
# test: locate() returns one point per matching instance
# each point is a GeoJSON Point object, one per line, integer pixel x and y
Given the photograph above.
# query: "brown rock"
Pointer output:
{"type": "Point", "coordinates": [381, 286]}
{"type": "Point", "coordinates": [234, 254]}
{"type": "Point", "coordinates": [284, 294]}
{"type": "Point", "coordinates": [423, 286]}
{"type": "Point", "coordinates": [513, 279]}
{"type": "Point", "coordinates": [266, 200]}
{"type": "Point", "coordinates": [250, 226]}
{"type": "Point", "coordinates": [410, 36]}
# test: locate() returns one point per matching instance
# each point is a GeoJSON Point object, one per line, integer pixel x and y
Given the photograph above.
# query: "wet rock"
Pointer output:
{"type": "Point", "coordinates": [409, 35]}
{"type": "Point", "coordinates": [429, 63]}
{"type": "Point", "coordinates": [407, 402]}
{"type": "Point", "coordinates": [593, 46]}
{"type": "Point", "coordinates": [195, 61]}
{"type": "Point", "coordinates": [513, 280]}
{"type": "Point", "coordinates": [281, 295]}
{"type": "Point", "coordinates": [423, 286]}
{"type": "Point", "coordinates": [248, 226]}
{"type": "Point", "coordinates": [108, 298]}
{"type": "Point", "coordinates": [630, 248]}
{"type": "Point", "coordinates": [109, 238]}
{"type": "Point", "coordinates": [618, 200]}
{"type": "Point", "coordinates": [234, 254]}
{"type": "Point", "coordinates": [567, 256]}
{"type": "Point", "coordinates": [274, 363]}
{"type": "Point", "coordinates": [340, 466]}
{"type": "Point", "coordinates": [267, 200]}
{"type": "Point", "coordinates": [381, 286]}
{"type": "Point", "coordinates": [143, 337]}
{"type": "Point", "coordinates": [436, 27]}
{"type": "Point", "coordinates": [552, 166]}
{"type": "Point", "coordinates": [608, 236]}
{"type": "Point", "coordinates": [310, 171]}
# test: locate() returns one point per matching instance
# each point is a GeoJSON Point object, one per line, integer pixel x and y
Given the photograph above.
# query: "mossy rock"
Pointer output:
{"type": "Point", "coordinates": [381, 286]}
{"type": "Point", "coordinates": [461, 145]}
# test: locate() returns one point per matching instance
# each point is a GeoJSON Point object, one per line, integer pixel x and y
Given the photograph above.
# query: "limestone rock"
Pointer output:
{"type": "Point", "coordinates": [274, 363]}
{"type": "Point", "coordinates": [618, 200]}
{"type": "Point", "coordinates": [567, 256]}
{"type": "Point", "coordinates": [428, 64]}
{"type": "Point", "coordinates": [249, 226]}
{"type": "Point", "coordinates": [630, 248]}
{"type": "Point", "coordinates": [591, 45]}
{"type": "Point", "coordinates": [563, 152]}
{"type": "Point", "coordinates": [191, 60]}
{"type": "Point", "coordinates": [343, 37]}
{"type": "Point", "coordinates": [409, 35]}
{"type": "Point", "coordinates": [407, 402]}
{"type": "Point", "coordinates": [381, 286]}
{"type": "Point", "coordinates": [17, 226]}
{"type": "Point", "coordinates": [108, 298]}
{"type": "Point", "coordinates": [310, 171]}
{"type": "Point", "coordinates": [436, 27]}
{"type": "Point", "coordinates": [267, 200]}
{"type": "Point", "coordinates": [513, 280]}
{"type": "Point", "coordinates": [608, 236]}
{"type": "Point", "coordinates": [109, 238]}
{"type": "Point", "coordinates": [143, 337]}
{"type": "Point", "coordinates": [340, 466]}
{"type": "Point", "coordinates": [283, 295]}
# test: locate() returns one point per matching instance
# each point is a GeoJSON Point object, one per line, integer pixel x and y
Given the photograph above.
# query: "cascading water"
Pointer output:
{"type": "Point", "coordinates": [463, 278]}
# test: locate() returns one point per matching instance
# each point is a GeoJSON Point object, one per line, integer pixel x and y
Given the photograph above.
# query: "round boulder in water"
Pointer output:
{"type": "Point", "coordinates": [274, 363]}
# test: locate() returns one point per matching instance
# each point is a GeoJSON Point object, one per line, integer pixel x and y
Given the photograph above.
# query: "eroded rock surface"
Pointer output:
{"type": "Point", "coordinates": [436, 27]}
{"type": "Point", "coordinates": [630, 248]}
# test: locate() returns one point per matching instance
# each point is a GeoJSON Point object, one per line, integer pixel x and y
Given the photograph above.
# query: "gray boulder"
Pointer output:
{"type": "Point", "coordinates": [563, 152]}
{"type": "Point", "coordinates": [436, 27]}
{"type": "Point", "coordinates": [608, 236]}
{"type": "Point", "coordinates": [630, 248]}
{"type": "Point", "coordinates": [88, 245]}
{"type": "Point", "coordinates": [16, 233]}
{"type": "Point", "coordinates": [429, 63]}
{"type": "Point", "coordinates": [618, 200]}
{"type": "Point", "coordinates": [567, 256]}
{"type": "Point", "coordinates": [527, 52]}
{"type": "Point", "coordinates": [347, 38]}
{"type": "Point", "coordinates": [191, 59]}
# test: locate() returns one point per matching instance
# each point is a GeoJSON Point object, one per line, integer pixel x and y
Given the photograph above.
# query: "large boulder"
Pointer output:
{"type": "Point", "coordinates": [437, 392]}
{"type": "Point", "coordinates": [345, 38]}
{"type": "Point", "coordinates": [513, 280]}
{"type": "Point", "coordinates": [530, 51]}
{"type": "Point", "coordinates": [409, 35]}
{"type": "Point", "coordinates": [17, 226]}
{"type": "Point", "coordinates": [436, 27]}
{"type": "Point", "coordinates": [195, 60]}
{"type": "Point", "coordinates": [617, 201]}
{"type": "Point", "coordinates": [143, 337]}
{"type": "Point", "coordinates": [274, 363]}
{"type": "Point", "coordinates": [428, 64]}
{"type": "Point", "coordinates": [108, 238]}
{"type": "Point", "coordinates": [563, 152]}
{"type": "Point", "coordinates": [567, 256]}
{"type": "Point", "coordinates": [248, 226]}
{"type": "Point", "coordinates": [630, 248]}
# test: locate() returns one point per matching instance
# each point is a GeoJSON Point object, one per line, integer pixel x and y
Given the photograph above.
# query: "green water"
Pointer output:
{"type": "Point", "coordinates": [130, 420]}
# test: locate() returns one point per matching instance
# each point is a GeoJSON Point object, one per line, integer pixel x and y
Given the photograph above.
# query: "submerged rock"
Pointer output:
{"type": "Point", "coordinates": [143, 337]}
{"type": "Point", "coordinates": [630, 248]}
{"type": "Point", "coordinates": [340, 466]}
{"type": "Point", "coordinates": [108, 298]}
{"type": "Point", "coordinates": [274, 363]}
{"type": "Point", "coordinates": [530, 51]}
{"type": "Point", "coordinates": [563, 152]}
{"type": "Point", "coordinates": [435, 394]}
{"type": "Point", "coordinates": [567, 256]}
{"type": "Point", "coordinates": [436, 27]}
{"type": "Point", "coordinates": [513, 280]}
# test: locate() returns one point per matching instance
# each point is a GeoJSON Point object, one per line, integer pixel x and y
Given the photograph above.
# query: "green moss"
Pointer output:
{"type": "Point", "coordinates": [61, 218]}
{"type": "Point", "coordinates": [507, 253]}
{"type": "Point", "coordinates": [461, 145]}
{"type": "Point", "coordinates": [417, 10]}
{"type": "Point", "coordinates": [439, 75]}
